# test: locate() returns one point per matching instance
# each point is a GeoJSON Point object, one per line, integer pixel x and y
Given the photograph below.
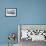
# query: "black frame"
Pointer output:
{"type": "Point", "coordinates": [10, 8]}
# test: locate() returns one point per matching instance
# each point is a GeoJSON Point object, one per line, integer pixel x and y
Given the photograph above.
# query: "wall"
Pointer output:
{"type": "Point", "coordinates": [28, 12]}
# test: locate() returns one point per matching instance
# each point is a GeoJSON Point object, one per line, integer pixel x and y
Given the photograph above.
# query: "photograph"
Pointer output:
{"type": "Point", "coordinates": [10, 11]}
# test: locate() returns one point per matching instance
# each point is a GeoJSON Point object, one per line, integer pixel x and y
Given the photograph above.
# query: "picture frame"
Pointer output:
{"type": "Point", "coordinates": [11, 12]}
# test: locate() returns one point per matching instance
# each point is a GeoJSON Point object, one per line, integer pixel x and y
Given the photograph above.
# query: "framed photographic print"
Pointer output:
{"type": "Point", "coordinates": [11, 11]}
